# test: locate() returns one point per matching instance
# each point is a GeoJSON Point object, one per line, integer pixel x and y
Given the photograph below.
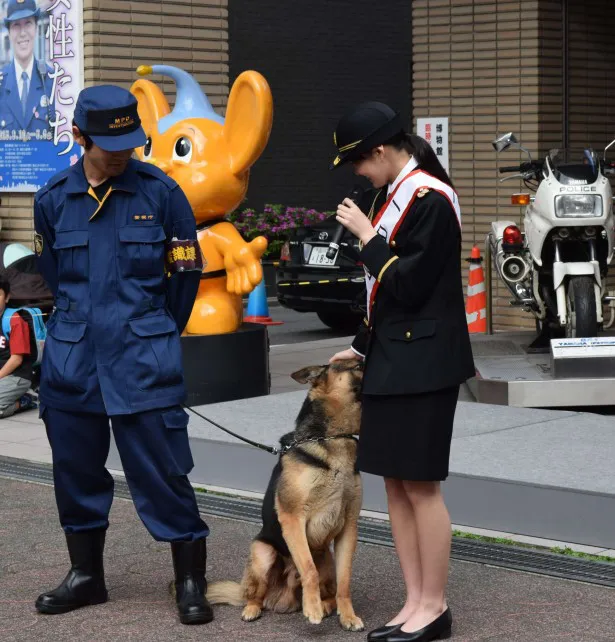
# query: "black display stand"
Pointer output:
{"type": "Point", "coordinates": [223, 367]}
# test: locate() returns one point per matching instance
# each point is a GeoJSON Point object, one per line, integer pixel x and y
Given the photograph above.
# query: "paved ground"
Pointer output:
{"type": "Point", "coordinates": [488, 603]}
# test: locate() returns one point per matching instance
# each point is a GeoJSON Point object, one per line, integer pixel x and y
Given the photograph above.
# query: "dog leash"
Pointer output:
{"type": "Point", "coordinates": [270, 449]}
{"type": "Point", "coordinates": [273, 450]}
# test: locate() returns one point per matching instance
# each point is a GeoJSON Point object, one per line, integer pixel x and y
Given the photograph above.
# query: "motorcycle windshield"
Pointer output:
{"type": "Point", "coordinates": [575, 166]}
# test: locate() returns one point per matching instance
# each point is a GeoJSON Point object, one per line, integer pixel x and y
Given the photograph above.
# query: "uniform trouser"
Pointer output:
{"type": "Point", "coordinates": [156, 459]}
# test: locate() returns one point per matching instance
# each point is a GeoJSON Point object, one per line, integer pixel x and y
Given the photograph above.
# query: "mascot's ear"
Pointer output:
{"type": "Point", "coordinates": [247, 123]}
{"type": "Point", "coordinates": [152, 104]}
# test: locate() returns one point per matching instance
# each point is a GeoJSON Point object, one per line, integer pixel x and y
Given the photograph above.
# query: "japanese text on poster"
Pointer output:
{"type": "Point", "coordinates": [41, 58]}
{"type": "Point", "coordinates": [435, 132]}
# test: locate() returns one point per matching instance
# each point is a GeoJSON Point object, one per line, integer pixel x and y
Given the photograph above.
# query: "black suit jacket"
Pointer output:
{"type": "Point", "coordinates": [418, 340]}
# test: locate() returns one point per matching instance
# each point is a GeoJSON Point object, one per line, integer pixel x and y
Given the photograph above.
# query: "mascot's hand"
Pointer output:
{"type": "Point", "coordinates": [243, 266]}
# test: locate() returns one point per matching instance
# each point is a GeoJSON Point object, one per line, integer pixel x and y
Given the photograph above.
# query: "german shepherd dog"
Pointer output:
{"type": "Point", "coordinates": [313, 500]}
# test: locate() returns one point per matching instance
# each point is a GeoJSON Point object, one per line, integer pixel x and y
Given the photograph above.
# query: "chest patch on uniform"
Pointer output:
{"type": "Point", "coordinates": [38, 244]}
{"type": "Point", "coordinates": [143, 217]}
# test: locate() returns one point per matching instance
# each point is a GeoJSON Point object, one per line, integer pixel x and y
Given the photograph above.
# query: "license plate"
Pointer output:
{"type": "Point", "coordinates": [318, 256]}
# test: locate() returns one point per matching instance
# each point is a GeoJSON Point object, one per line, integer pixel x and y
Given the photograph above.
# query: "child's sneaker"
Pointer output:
{"type": "Point", "coordinates": [27, 402]}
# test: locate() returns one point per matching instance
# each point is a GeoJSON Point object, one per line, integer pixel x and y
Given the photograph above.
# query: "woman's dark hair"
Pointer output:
{"type": "Point", "coordinates": [88, 141]}
{"type": "Point", "coordinates": [5, 286]}
{"type": "Point", "coordinates": [423, 154]}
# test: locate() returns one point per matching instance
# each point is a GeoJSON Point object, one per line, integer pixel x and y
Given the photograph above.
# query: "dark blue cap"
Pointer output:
{"type": "Point", "coordinates": [108, 115]}
{"type": "Point", "coordinates": [20, 9]}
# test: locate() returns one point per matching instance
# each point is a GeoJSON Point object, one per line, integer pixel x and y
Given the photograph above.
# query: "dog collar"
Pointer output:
{"type": "Point", "coordinates": [298, 442]}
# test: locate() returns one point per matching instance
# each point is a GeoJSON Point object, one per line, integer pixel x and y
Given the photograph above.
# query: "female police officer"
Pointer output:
{"type": "Point", "coordinates": [113, 349]}
{"type": "Point", "coordinates": [25, 86]}
{"type": "Point", "coordinates": [416, 348]}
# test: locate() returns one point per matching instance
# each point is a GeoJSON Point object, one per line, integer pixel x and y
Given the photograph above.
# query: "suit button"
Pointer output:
{"type": "Point", "coordinates": [393, 244]}
{"type": "Point", "coordinates": [408, 335]}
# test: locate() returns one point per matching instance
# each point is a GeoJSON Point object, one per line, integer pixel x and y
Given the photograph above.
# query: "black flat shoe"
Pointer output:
{"type": "Point", "coordinates": [439, 629]}
{"type": "Point", "coordinates": [383, 632]}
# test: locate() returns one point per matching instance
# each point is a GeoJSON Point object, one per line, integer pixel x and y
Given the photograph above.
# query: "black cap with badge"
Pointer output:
{"type": "Point", "coordinates": [108, 115]}
{"type": "Point", "coordinates": [362, 128]}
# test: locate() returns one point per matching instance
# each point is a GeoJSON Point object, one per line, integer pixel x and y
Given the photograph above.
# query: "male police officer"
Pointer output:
{"type": "Point", "coordinates": [103, 230]}
{"type": "Point", "coordinates": [25, 86]}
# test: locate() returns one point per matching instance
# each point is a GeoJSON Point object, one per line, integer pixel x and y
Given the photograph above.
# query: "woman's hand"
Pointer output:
{"type": "Point", "coordinates": [353, 219]}
{"type": "Point", "coordinates": [345, 354]}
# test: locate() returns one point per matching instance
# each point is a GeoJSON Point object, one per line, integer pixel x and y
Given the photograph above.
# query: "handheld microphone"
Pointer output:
{"type": "Point", "coordinates": [355, 196]}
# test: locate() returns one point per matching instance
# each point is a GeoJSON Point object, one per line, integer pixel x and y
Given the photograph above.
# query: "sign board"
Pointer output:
{"type": "Point", "coordinates": [41, 74]}
{"type": "Point", "coordinates": [583, 347]}
{"type": "Point", "coordinates": [435, 132]}
{"type": "Point", "coordinates": [583, 357]}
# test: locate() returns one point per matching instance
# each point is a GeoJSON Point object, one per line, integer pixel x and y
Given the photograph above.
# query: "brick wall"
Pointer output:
{"type": "Point", "coordinates": [478, 63]}
{"type": "Point", "coordinates": [493, 67]}
{"type": "Point", "coordinates": [118, 37]}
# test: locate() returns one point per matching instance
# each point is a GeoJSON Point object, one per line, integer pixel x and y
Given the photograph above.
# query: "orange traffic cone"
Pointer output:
{"type": "Point", "coordinates": [476, 305]}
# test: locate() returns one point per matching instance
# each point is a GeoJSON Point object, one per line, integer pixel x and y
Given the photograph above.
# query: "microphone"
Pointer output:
{"type": "Point", "coordinates": [355, 196]}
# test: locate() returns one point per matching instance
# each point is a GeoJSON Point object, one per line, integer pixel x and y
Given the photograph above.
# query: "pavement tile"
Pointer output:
{"type": "Point", "coordinates": [487, 603]}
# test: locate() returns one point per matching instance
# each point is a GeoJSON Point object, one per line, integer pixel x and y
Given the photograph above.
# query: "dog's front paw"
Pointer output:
{"type": "Point", "coordinates": [313, 611]}
{"type": "Point", "coordinates": [351, 623]}
{"type": "Point", "coordinates": [251, 612]}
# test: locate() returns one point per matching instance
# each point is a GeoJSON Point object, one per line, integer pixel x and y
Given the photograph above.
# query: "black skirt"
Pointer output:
{"type": "Point", "coordinates": [408, 436]}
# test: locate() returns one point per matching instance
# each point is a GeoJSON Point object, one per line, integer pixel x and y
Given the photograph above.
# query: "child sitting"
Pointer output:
{"type": "Point", "coordinates": [15, 361]}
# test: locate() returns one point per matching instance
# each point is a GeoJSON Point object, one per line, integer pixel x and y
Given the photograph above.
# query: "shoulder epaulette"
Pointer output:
{"type": "Point", "coordinates": [54, 181]}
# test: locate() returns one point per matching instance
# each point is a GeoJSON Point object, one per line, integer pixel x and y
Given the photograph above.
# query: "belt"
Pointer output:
{"type": "Point", "coordinates": [152, 303]}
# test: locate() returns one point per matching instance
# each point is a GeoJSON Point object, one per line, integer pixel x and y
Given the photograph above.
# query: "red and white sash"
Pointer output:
{"type": "Point", "coordinates": [392, 214]}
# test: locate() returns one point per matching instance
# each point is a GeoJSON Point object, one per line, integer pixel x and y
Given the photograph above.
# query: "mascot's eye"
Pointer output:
{"type": "Point", "coordinates": [182, 150]}
{"type": "Point", "coordinates": [147, 149]}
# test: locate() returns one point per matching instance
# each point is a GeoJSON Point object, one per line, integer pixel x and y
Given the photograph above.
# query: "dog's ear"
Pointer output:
{"type": "Point", "coordinates": [309, 374]}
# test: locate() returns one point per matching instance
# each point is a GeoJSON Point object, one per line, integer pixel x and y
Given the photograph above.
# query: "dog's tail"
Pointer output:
{"type": "Point", "coordinates": [226, 593]}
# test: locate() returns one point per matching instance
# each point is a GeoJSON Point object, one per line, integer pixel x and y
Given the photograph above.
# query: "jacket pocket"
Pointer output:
{"type": "Point", "coordinates": [154, 352]}
{"type": "Point", "coordinates": [409, 331]}
{"type": "Point", "coordinates": [65, 360]}
{"type": "Point", "coordinates": [180, 460]}
{"type": "Point", "coordinates": [142, 250]}
{"type": "Point", "coordinates": [71, 248]}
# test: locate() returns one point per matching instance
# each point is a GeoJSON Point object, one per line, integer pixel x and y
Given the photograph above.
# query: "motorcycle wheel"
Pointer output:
{"type": "Point", "coordinates": [581, 303]}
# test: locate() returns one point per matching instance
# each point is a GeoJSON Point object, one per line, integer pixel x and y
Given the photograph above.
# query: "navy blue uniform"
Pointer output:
{"type": "Point", "coordinates": [38, 110]}
{"type": "Point", "coordinates": [113, 347]}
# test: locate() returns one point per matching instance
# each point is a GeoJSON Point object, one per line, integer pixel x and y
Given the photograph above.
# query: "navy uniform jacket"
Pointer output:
{"type": "Point", "coordinates": [418, 341]}
{"type": "Point", "coordinates": [113, 341]}
{"type": "Point", "coordinates": [38, 109]}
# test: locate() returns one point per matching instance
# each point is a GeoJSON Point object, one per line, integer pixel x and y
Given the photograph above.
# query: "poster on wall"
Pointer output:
{"type": "Point", "coordinates": [41, 74]}
{"type": "Point", "coordinates": [435, 132]}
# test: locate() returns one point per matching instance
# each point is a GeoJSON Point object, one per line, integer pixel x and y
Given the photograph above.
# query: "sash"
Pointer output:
{"type": "Point", "coordinates": [392, 214]}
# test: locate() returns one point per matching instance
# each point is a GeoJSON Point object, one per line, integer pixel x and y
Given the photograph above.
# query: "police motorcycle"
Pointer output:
{"type": "Point", "coordinates": [556, 267]}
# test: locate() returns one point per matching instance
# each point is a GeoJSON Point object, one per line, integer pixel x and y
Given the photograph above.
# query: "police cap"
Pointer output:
{"type": "Point", "coordinates": [362, 128]}
{"type": "Point", "coordinates": [108, 115]}
{"type": "Point", "coordinates": [19, 10]}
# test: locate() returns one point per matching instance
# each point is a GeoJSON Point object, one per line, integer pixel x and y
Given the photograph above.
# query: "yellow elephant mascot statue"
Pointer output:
{"type": "Point", "coordinates": [210, 158]}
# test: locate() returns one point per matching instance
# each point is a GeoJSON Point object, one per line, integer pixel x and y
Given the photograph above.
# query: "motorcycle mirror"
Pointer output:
{"type": "Point", "coordinates": [504, 142]}
{"type": "Point", "coordinates": [607, 148]}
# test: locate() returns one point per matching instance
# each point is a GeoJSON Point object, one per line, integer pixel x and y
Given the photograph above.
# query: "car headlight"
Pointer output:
{"type": "Point", "coordinates": [578, 206]}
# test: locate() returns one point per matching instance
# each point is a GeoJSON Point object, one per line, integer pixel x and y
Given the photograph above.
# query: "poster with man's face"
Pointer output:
{"type": "Point", "coordinates": [41, 64]}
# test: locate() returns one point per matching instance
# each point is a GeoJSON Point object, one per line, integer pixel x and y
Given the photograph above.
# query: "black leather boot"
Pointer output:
{"type": "Point", "coordinates": [190, 584]}
{"type": "Point", "coordinates": [85, 583]}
